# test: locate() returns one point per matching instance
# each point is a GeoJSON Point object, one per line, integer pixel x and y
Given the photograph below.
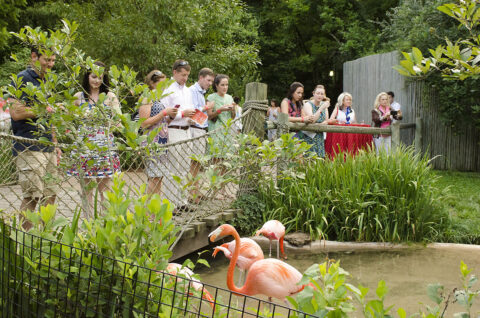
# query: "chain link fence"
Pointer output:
{"type": "Point", "coordinates": [201, 175]}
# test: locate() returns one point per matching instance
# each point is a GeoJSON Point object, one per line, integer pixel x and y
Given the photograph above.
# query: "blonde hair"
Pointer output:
{"type": "Point", "coordinates": [376, 104]}
{"type": "Point", "coordinates": [340, 99]}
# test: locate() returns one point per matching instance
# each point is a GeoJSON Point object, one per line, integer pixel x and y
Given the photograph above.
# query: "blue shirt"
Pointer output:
{"type": "Point", "coordinates": [198, 96]}
{"type": "Point", "coordinates": [26, 127]}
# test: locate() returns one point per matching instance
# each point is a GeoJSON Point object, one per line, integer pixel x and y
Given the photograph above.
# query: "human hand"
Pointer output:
{"type": "Point", "coordinates": [332, 121]}
{"type": "Point", "coordinates": [188, 113]}
{"type": "Point", "coordinates": [310, 119]}
{"type": "Point", "coordinates": [171, 112]}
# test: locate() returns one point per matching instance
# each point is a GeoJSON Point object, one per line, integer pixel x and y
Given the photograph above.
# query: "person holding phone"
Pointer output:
{"type": "Point", "coordinates": [382, 118]}
{"type": "Point", "coordinates": [156, 116]}
{"type": "Point", "coordinates": [179, 96]}
{"type": "Point", "coordinates": [220, 109]}
{"type": "Point", "coordinates": [318, 109]}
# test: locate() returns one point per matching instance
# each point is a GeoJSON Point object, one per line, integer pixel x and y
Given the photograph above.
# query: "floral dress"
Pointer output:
{"type": "Point", "coordinates": [316, 139]}
{"type": "Point", "coordinates": [222, 139]}
{"type": "Point", "coordinates": [101, 161]}
{"type": "Point", "coordinates": [155, 165]}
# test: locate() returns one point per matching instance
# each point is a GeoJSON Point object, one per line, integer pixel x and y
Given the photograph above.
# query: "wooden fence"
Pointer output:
{"type": "Point", "coordinates": [452, 149]}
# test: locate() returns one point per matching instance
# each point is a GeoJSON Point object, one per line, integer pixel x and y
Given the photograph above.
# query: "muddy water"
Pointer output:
{"type": "Point", "coordinates": [407, 272]}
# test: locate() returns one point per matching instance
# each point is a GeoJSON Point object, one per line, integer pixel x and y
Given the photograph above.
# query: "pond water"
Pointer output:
{"type": "Point", "coordinates": [407, 272]}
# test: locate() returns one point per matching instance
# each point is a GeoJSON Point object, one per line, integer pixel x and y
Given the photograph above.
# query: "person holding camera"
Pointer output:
{"type": "Point", "coordinates": [394, 108]}
{"type": "Point", "coordinates": [382, 118]}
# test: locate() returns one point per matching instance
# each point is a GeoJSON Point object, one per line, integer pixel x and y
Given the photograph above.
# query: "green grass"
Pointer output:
{"type": "Point", "coordinates": [462, 200]}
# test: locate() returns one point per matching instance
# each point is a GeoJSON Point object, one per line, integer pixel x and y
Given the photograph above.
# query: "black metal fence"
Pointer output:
{"type": "Point", "coordinates": [44, 278]}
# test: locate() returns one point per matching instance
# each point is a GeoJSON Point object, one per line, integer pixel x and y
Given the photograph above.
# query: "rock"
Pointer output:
{"type": "Point", "coordinates": [297, 239]}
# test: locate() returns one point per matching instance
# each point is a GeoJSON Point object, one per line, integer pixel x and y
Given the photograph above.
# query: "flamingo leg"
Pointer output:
{"type": "Point", "coordinates": [240, 278]}
{"type": "Point", "coordinates": [278, 249]}
{"type": "Point", "coordinates": [270, 252]}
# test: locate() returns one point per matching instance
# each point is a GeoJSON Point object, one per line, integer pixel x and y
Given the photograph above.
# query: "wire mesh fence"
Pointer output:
{"type": "Point", "coordinates": [202, 174]}
{"type": "Point", "coordinates": [44, 278]}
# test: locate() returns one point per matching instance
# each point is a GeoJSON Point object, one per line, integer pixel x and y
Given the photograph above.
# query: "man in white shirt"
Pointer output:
{"type": "Point", "coordinates": [179, 96]}
{"type": "Point", "coordinates": [394, 106]}
{"type": "Point", "coordinates": [198, 90]}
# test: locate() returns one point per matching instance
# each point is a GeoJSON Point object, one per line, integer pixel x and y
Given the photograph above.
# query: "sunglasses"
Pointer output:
{"type": "Point", "coordinates": [181, 63]}
{"type": "Point", "coordinates": [157, 75]}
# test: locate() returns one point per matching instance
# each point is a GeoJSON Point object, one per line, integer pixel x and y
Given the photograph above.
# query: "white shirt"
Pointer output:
{"type": "Point", "coordinates": [395, 106]}
{"type": "Point", "coordinates": [178, 95]}
{"type": "Point", "coordinates": [342, 116]}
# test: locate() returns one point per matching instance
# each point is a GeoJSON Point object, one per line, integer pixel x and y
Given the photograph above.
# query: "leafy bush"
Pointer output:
{"type": "Point", "coordinates": [251, 218]}
{"type": "Point", "coordinates": [328, 294]}
{"type": "Point", "coordinates": [363, 198]}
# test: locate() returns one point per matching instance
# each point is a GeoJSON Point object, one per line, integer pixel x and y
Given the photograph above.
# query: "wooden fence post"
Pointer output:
{"type": "Point", "coordinates": [256, 100]}
{"type": "Point", "coordinates": [395, 127]}
{"type": "Point", "coordinates": [418, 135]}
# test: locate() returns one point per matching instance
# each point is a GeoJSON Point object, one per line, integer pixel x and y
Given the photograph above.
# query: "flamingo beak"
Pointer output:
{"type": "Point", "coordinates": [213, 236]}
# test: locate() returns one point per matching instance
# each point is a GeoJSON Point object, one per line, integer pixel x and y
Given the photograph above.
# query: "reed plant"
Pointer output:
{"type": "Point", "coordinates": [367, 197]}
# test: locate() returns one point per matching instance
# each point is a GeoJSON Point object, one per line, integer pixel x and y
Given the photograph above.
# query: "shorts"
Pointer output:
{"type": "Point", "coordinates": [37, 173]}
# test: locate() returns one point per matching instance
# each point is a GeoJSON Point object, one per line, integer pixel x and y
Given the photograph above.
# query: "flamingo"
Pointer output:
{"type": "Point", "coordinates": [250, 252]}
{"type": "Point", "coordinates": [270, 277]}
{"type": "Point", "coordinates": [274, 230]}
{"type": "Point", "coordinates": [175, 269]}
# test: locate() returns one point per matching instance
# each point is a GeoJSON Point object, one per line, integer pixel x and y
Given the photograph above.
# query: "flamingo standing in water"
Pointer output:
{"type": "Point", "coordinates": [175, 269]}
{"type": "Point", "coordinates": [250, 252]}
{"type": "Point", "coordinates": [274, 230]}
{"type": "Point", "coordinates": [269, 277]}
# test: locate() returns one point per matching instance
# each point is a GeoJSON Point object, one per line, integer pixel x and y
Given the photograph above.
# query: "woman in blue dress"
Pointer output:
{"type": "Point", "coordinates": [318, 108]}
{"type": "Point", "coordinates": [156, 116]}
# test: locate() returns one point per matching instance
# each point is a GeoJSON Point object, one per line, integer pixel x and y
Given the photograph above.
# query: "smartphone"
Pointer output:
{"type": "Point", "coordinates": [177, 106]}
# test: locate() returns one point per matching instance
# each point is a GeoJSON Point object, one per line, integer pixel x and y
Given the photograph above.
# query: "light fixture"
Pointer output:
{"type": "Point", "coordinates": [330, 74]}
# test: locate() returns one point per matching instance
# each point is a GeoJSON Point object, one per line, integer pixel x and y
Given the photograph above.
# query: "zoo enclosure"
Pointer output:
{"type": "Point", "coordinates": [453, 148]}
{"type": "Point", "coordinates": [44, 278]}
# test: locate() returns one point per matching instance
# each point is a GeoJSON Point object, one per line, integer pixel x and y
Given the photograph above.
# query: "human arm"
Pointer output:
{"type": "Point", "coordinates": [145, 110]}
{"type": "Point", "coordinates": [284, 109]}
{"type": "Point", "coordinates": [20, 111]}
{"type": "Point", "coordinates": [307, 115]}
{"type": "Point", "coordinates": [213, 113]}
{"type": "Point", "coordinates": [334, 113]}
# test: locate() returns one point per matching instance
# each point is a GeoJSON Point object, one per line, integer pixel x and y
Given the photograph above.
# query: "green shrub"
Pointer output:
{"type": "Point", "coordinates": [362, 198]}
{"type": "Point", "coordinates": [251, 218]}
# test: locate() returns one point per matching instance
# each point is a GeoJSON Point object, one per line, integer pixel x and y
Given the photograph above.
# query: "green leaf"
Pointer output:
{"type": "Point", "coordinates": [382, 289]}
{"type": "Point", "coordinates": [435, 292]}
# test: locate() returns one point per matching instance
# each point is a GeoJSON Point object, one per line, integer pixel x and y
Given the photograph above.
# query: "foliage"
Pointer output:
{"type": "Point", "coordinates": [329, 295]}
{"type": "Point", "coordinates": [9, 17]}
{"type": "Point", "coordinates": [455, 60]}
{"type": "Point", "coordinates": [251, 217]}
{"type": "Point", "coordinates": [132, 232]}
{"type": "Point", "coordinates": [462, 201]}
{"type": "Point", "coordinates": [149, 34]}
{"type": "Point", "coordinates": [302, 40]}
{"type": "Point", "coordinates": [363, 198]}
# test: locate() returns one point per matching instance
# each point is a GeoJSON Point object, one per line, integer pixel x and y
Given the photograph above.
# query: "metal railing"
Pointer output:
{"type": "Point", "coordinates": [43, 278]}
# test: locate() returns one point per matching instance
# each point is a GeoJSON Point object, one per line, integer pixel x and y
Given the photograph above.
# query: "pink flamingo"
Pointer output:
{"type": "Point", "coordinates": [269, 277]}
{"type": "Point", "coordinates": [250, 252]}
{"type": "Point", "coordinates": [274, 230]}
{"type": "Point", "coordinates": [175, 269]}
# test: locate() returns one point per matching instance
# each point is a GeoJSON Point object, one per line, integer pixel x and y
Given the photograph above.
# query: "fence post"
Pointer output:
{"type": "Point", "coordinates": [418, 135]}
{"type": "Point", "coordinates": [395, 127]}
{"type": "Point", "coordinates": [256, 100]}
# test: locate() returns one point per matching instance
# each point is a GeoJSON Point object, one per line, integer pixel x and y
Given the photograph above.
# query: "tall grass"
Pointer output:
{"type": "Point", "coordinates": [363, 198]}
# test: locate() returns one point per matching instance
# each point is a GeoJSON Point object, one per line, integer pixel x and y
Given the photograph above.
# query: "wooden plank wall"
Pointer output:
{"type": "Point", "coordinates": [364, 78]}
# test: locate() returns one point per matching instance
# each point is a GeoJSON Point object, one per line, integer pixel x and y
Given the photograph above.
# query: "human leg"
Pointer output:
{"type": "Point", "coordinates": [155, 185]}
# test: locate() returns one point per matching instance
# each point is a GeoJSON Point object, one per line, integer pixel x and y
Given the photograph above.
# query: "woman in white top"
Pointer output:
{"type": "Point", "coordinates": [343, 111]}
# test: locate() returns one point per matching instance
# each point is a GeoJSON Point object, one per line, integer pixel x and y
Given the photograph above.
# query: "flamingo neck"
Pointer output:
{"type": "Point", "coordinates": [233, 262]}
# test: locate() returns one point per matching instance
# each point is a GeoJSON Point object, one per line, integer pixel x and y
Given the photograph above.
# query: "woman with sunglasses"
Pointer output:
{"type": "Point", "coordinates": [156, 118]}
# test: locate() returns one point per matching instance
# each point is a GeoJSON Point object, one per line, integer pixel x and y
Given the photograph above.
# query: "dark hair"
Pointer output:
{"type": "Point", "coordinates": [293, 88]}
{"type": "Point", "coordinates": [205, 72]}
{"type": "Point", "coordinates": [218, 79]}
{"type": "Point", "coordinates": [236, 99]}
{"type": "Point", "coordinates": [391, 94]}
{"type": "Point", "coordinates": [275, 102]}
{"type": "Point", "coordinates": [105, 82]}
{"type": "Point", "coordinates": [181, 64]}
{"type": "Point", "coordinates": [35, 50]}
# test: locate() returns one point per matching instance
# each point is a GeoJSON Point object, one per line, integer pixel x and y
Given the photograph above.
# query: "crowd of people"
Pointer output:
{"type": "Point", "coordinates": [315, 110]}
{"type": "Point", "coordinates": [178, 113]}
